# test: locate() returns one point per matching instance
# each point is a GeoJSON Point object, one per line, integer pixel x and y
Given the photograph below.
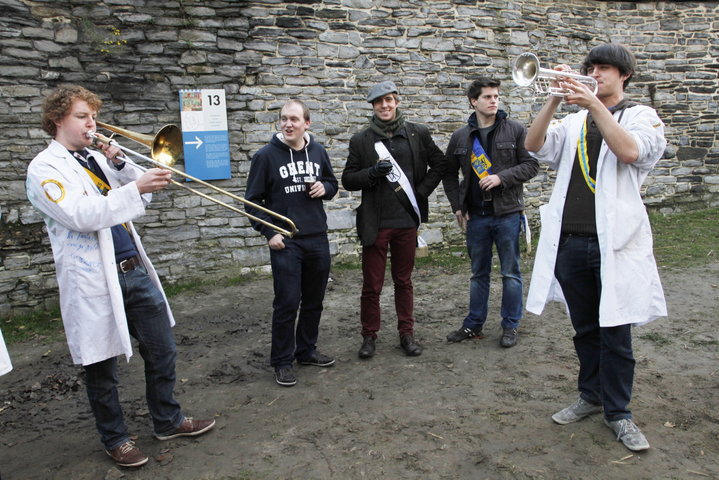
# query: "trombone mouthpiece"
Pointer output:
{"type": "Point", "coordinates": [90, 134]}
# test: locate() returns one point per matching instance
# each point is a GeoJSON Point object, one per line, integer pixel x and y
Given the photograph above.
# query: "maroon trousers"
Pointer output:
{"type": "Point", "coordinates": [401, 242]}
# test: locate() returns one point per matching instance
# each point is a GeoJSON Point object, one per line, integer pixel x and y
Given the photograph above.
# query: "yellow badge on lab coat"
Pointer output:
{"type": "Point", "coordinates": [53, 190]}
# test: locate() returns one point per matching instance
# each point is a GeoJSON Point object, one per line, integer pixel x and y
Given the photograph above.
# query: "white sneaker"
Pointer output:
{"type": "Point", "coordinates": [576, 411]}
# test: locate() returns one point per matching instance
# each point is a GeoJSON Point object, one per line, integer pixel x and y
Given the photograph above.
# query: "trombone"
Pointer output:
{"type": "Point", "coordinates": [165, 148]}
{"type": "Point", "coordinates": [526, 71]}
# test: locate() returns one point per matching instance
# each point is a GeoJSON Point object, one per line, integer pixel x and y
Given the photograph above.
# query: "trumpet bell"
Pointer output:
{"type": "Point", "coordinates": [527, 72]}
{"type": "Point", "coordinates": [525, 69]}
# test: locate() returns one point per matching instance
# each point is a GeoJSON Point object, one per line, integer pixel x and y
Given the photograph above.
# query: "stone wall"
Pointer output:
{"type": "Point", "coordinates": [137, 54]}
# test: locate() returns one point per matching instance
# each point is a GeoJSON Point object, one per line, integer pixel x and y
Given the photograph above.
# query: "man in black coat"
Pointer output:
{"type": "Point", "coordinates": [488, 204]}
{"type": "Point", "coordinates": [396, 165]}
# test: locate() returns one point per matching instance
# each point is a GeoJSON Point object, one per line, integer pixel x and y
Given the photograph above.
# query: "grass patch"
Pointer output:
{"type": "Point", "coordinates": [451, 259]}
{"type": "Point", "coordinates": [686, 239]}
{"type": "Point", "coordinates": [178, 288]}
{"type": "Point", "coordinates": [37, 325]}
{"type": "Point", "coordinates": [346, 265]}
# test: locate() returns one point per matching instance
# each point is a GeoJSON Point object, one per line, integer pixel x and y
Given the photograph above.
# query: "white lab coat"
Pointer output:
{"type": "Point", "coordinates": [631, 290]}
{"type": "Point", "coordinates": [78, 220]}
{"type": "Point", "coordinates": [5, 365]}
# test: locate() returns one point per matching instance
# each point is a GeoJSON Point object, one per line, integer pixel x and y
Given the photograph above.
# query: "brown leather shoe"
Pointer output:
{"type": "Point", "coordinates": [189, 428]}
{"type": "Point", "coordinates": [127, 455]}
{"type": "Point", "coordinates": [410, 346]}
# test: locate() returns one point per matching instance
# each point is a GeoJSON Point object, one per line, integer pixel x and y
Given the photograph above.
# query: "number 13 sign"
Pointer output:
{"type": "Point", "coordinates": [205, 138]}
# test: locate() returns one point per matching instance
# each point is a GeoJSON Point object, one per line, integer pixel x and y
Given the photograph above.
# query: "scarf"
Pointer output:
{"type": "Point", "coordinates": [385, 129]}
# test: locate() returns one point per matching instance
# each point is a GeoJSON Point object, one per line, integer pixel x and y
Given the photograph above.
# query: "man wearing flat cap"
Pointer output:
{"type": "Point", "coordinates": [396, 165]}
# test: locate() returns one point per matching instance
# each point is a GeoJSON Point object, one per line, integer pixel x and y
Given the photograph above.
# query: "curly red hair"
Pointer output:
{"type": "Point", "coordinates": [59, 102]}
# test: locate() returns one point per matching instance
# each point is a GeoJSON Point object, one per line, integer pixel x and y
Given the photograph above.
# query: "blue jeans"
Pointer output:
{"type": "Point", "coordinates": [606, 361]}
{"type": "Point", "coordinates": [300, 272]}
{"type": "Point", "coordinates": [148, 322]}
{"type": "Point", "coordinates": [482, 232]}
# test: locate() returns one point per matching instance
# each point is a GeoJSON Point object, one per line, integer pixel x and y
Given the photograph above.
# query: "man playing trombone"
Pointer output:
{"type": "Point", "coordinates": [595, 250]}
{"type": "Point", "coordinates": [109, 289]}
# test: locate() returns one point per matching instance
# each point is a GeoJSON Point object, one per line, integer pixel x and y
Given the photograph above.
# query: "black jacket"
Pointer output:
{"type": "Point", "coordinates": [510, 161]}
{"type": "Point", "coordinates": [427, 171]}
{"type": "Point", "coordinates": [276, 182]}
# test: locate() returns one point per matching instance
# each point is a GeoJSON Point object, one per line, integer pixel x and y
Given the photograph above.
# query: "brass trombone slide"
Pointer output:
{"type": "Point", "coordinates": [166, 146]}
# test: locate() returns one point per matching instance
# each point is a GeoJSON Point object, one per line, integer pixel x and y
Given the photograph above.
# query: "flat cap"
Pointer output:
{"type": "Point", "coordinates": [380, 90]}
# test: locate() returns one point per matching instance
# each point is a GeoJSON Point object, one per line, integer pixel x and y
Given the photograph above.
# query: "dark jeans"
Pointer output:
{"type": "Point", "coordinates": [402, 243]}
{"type": "Point", "coordinates": [484, 231]}
{"type": "Point", "coordinates": [606, 362]}
{"type": "Point", "coordinates": [300, 272]}
{"type": "Point", "coordinates": [148, 322]}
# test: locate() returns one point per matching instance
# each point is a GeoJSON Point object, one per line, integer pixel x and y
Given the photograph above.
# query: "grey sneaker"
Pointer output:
{"type": "Point", "coordinates": [629, 434]}
{"type": "Point", "coordinates": [576, 411]}
{"type": "Point", "coordinates": [509, 337]}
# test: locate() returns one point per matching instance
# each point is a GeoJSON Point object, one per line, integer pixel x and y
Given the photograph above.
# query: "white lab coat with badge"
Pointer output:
{"type": "Point", "coordinates": [79, 219]}
{"type": "Point", "coordinates": [631, 290]}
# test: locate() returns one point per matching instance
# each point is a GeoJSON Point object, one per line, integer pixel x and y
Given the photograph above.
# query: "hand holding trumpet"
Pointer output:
{"type": "Point", "coordinates": [575, 91]}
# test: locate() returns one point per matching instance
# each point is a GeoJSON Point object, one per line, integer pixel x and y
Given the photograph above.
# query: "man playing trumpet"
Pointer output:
{"type": "Point", "coordinates": [595, 250]}
{"type": "Point", "coordinates": [108, 287]}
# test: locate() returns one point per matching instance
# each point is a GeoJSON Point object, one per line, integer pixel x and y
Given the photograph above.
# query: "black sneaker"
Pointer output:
{"type": "Point", "coordinates": [285, 376]}
{"type": "Point", "coordinates": [463, 334]}
{"type": "Point", "coordinates": [317, 359]}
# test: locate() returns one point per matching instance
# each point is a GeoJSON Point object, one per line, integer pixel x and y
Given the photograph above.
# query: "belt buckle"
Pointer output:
{"type": "Point", "coordinates": [126, 263]}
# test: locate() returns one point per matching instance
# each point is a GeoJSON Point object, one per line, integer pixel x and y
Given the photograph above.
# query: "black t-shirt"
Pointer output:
{"type": "Point", "coordinates": [579, 215]}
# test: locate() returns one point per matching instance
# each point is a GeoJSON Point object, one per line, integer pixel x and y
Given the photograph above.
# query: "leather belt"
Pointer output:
{"type": "Point", "coordinates": [129, 264]}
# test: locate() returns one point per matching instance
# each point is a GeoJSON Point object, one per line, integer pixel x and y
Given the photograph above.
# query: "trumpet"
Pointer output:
{"type": "Point", "coordinates": [526, 71]}
{"type": "Point", "coordinates": [165, 147]}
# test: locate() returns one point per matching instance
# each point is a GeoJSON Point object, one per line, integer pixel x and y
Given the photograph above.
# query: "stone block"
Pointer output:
{"type": "Point", "coordinates": [340, 219]}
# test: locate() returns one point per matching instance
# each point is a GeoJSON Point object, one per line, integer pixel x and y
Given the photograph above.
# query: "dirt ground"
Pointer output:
{"type": "Point", "coordinates": [460, 411]}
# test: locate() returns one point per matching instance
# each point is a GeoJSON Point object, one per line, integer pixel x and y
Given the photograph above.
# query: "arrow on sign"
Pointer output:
{"type": "Point", "coordinates": [197, 142]}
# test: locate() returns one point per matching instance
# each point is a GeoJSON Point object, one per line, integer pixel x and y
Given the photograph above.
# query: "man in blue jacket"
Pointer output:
{"type": "Point", "coordinates": [396, 165]}
{"type": "Point", "coordinates": [291, 176]}
{"type": "Point", "coordinates": [488, 204]}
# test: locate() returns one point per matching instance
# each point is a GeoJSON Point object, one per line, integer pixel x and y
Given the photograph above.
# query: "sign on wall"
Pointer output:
{"type": "Point", "coordinates": [205, 138]}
